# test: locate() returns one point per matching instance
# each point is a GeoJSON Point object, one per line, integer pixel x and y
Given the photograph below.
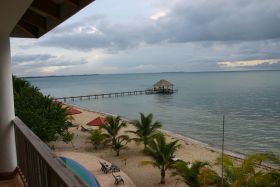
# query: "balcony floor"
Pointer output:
{"type": "Point", "coordinates": [15, 182]}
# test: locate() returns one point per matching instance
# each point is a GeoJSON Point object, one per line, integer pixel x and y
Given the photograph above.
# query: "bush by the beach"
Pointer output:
{"type": "Point", "coordinates": [196, 174]}
{"type": "Point", "coordinates": [120, 143]}
{"type": "Point", "coordinates": [248, 172]}
{"type": "Point", "coordinates": [44, 117]}
{"type": "Point", "coordinates": [98, 138]}
{"type": "Point", "coordinates": [68, 137]}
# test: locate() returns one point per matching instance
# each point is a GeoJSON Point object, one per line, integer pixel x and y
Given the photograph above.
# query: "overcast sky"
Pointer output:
{"type": "Point", "coordinates": [132, 36]}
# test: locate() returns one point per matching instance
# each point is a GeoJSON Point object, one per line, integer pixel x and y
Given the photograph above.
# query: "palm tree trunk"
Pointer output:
{"type": "Point", "coordinates": [113, 140]}
{"type": "Point", "coordinates": [118, 152]}
{"type": "Point", "coordinates": [72, 144]}
{"type": "Point", "coordinates": [162, 180]}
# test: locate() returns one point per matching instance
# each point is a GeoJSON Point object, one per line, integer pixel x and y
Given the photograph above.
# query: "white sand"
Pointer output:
{"type": "Point", "coordinates": [129, 159]}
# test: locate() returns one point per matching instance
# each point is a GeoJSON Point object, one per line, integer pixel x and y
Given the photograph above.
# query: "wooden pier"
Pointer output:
{"type": "Point", "coordinates": [109, 95]}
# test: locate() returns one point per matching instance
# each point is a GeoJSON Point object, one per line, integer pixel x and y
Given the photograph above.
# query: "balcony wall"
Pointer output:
{"type": "Point", "coordinates": [39, 165]}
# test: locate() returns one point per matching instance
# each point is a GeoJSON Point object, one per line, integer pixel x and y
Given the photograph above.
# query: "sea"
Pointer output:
{"type": "Point", "coordinates": [249, 101]}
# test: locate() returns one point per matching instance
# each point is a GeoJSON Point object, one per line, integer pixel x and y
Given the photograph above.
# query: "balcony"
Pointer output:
{"type": "Point", "coordinates": [38, 166]}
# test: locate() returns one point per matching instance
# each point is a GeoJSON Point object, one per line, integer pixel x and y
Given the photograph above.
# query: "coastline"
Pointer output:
{"type": "Point", "coordinates": [235, 155]}
{"type": "Point", "coordinates": [191, 150]}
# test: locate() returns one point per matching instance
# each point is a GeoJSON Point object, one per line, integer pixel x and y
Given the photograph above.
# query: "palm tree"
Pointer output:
{"type": "Point", "coordinates": [112, 126]}
{"type": "Point", "coordinates": [68, 137]}
{"type": "Point", "coordinates": [245, 174]}
{"type": "Point", "coordinates": [120, 143]}
{"type": "Point", "coordinates": [160, 152]}
{"type": "Point", "coordinates": [195, 175]}
{"type": "Point", "coordinates": [97, 138]}
{"type": "Point", "coordinates": [145, 128]}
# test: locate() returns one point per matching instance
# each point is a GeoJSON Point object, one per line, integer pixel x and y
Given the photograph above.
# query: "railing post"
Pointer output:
{"type": "Point", "coordinates": [38, 163]}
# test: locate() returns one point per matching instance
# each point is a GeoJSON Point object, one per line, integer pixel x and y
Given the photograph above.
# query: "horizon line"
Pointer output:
{"type": "Point", "coordinates": [216, 71]}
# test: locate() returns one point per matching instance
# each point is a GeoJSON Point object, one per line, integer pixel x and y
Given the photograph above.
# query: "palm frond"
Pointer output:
{"type": "Point", "coordinates": [148, 162]}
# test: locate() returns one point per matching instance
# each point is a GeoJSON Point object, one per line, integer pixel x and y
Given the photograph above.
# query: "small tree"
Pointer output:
{"type": "Point", "coordinates": [120, 143]}
{"type": "Point", "coordinates": [112, 127]}
{"type": "Point", "coordinates": [145, 129]}
{"type": "Point", "coordinates": [98, 138]}
{"type": "Point", "coordinates": [68, 137]}
{"type": "Point", "coordinates": [160, 152]}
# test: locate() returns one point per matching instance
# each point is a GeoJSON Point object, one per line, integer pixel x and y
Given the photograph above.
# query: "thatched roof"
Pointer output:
{"type": "Point", "coordinates": [163, 83]}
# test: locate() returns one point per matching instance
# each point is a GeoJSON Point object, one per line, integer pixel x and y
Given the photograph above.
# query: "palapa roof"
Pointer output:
{"type": "Point", "coordinates": [163, 82]}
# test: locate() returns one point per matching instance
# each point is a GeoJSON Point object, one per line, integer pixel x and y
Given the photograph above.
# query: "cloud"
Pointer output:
{"type": "Point", "coordinates": [174, 35]}
{"type": "Point", "coordinates": [50, 69]}
{"type": "Point", "coordinates": [158, 15]}
{"type": "Point", "coordinates": [43, 64]}
{"type": "Point", "coordinates": [248, 63]}
{"type": "Point", "coordinates": [186, 21]}
{"type": "Point", "coordinates": [219, 20]}
{"type": "Point", "coordinates": [20, 58]}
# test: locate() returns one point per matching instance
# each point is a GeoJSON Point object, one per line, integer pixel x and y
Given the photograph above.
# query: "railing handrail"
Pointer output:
{"type": "Point", "coordinates": [45, 153]}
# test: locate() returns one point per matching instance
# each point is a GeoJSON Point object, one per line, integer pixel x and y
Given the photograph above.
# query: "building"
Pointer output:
{"type": "Point", "coordinates": [20, 148]}
{"type": "Point", "coordinates": [164, 86]}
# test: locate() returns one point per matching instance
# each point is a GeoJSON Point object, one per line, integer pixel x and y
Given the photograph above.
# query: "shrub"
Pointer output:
{"type": "Point", "coordinates": [45, 118]}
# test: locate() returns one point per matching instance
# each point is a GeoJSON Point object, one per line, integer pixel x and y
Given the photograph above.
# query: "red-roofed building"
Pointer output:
{"type": "Point", "coordinates": [20, 147]}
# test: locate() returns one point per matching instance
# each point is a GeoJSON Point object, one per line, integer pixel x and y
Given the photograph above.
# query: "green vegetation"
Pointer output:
{"type": "Point", "coordinates": [120, 143]}
{"type": "Point", "coordinates": [248, 174]}
{"type": "Point", "coordinates": [68, 137]}
{"type": "Point", "coordinates": [112, 126]}
{"type": "Point", "coordinates": [98, 138]}
{"type": "Point", "coordinates": [160, 152]}
{"type": "Point", "coordinates": [196, 174]}
{"type": "Point", "coordinates": [145, 129]}
{"type": "Point", "coordinates": [45, 118]}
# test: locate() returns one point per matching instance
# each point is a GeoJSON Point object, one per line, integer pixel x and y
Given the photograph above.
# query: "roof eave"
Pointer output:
{"type": "Point", "coordinates": [44, 15]}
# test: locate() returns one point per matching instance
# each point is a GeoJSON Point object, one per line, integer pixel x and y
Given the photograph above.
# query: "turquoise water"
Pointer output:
{"type": "Point", "coordinates": [250, 102]}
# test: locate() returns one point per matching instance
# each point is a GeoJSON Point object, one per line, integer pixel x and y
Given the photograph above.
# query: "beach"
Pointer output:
{"type": "Point", "coordinates": [129, 159]}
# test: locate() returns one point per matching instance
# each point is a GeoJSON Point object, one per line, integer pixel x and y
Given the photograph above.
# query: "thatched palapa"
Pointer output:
{"type": "Point", "coordinates": [163, 85]}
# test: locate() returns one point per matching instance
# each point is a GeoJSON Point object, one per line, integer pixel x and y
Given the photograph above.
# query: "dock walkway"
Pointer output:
{"type": "Point", "coordinates": [115, 94]}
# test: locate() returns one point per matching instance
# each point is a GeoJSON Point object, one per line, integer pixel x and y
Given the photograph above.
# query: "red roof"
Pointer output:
{"type": "Point", "coordinates": [72, 111]}
{"type": "Point", "coordinates": [97, 121]}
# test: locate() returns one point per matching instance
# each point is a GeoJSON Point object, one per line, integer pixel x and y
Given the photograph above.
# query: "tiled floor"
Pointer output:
{"type": "Point", "coordinates": [15, 182]}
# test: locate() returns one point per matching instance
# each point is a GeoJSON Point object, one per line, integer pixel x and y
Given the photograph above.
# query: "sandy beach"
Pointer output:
{"type": "Point", "coordinates": [129, 159]}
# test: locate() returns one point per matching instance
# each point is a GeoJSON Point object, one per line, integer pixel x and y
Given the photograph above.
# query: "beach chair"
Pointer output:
{"type": "Point", "coordinates": [102, 166]}
{"type": "Point", "coordinates": [83, 129]}
{"type": "Point", "coordinates": [71, 124]}
{"type": "Point", "coordinates": [105, 167]}
{"type": "Point", "coordinates": [118, 179]}
{"type": "Point", "coordinates": [115, 168]}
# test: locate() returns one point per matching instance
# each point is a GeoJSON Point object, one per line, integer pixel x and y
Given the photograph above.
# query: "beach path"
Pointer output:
{"type": "Point", "coordinates": [91, 163]}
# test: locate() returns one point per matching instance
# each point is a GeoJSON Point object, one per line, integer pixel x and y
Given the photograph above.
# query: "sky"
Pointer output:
{"type": "Point", "coordinates": [132, 36]}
